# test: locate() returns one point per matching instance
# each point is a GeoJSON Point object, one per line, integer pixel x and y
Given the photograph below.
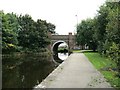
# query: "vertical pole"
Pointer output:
{"type": "Point", "coordinates": [75, 31]}
{"type": "Point", "coordinates": [77, 24]}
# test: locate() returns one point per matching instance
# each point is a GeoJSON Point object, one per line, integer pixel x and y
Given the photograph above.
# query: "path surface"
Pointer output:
{"type": "Point", "coordinates": [75, 72]}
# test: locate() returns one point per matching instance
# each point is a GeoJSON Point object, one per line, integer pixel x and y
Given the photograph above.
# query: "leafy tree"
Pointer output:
{"type": "Point", "coordinates": [112, 45]}
{"type": "Point", "coordinates": [41, 30]}
{"type": "Point", "coordinates": [26, 30]}
{"type": "Point", "coordinates": [85, 32]}
{"type": "Point", "coordinates": [10, 29]}
{"type": "Point", "coordinates": [50, 27]}
{"type": "Point", "coordinates": [105, 31]}
{"type": "Point", "coordinates": [112, 30]}
{"type": "Point", "coordinates": [23, 33]}
{"type": "Point", "coordinates": [34, 35]}
{"type": "Point", "coordinates": [101, 23]}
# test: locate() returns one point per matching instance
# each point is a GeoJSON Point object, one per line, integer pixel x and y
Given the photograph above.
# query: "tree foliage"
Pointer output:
{"type": "Point", "coordinates": [22, 33]}
{"type": "Point", "coordinates": [104, 30]}
{"type": "Point", "coordinates": [10, 30]}
{"type": "Point", "coordinates": [113, 32]}
{"type": "Point", "coordinates": [85, 32]}
{"type": "Point", "coordinates": [101, 22]}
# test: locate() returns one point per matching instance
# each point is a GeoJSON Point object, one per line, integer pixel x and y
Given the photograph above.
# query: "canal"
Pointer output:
{"type": "Point", "coordinates": [27, 71]}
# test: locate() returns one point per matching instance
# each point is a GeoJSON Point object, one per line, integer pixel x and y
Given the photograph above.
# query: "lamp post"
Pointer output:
{"type": "Point", "coordinates": [75, 32]}
{"type": "Point", "coordinates": [77, 24]}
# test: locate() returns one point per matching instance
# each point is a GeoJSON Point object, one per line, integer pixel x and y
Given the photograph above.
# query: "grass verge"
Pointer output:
{"type": "Point", "coordinates": [107, 67]}
{"type": "Point", "coordinates": [76, 51]}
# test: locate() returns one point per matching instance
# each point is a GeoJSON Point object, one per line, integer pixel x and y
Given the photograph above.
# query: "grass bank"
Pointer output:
{"type": "Point", "coordinates": [107, 67]}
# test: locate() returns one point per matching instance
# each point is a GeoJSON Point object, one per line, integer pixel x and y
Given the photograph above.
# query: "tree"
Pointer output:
{"type": "Point", "coordinates": [112, 44]}
{"type": "Point", "coordinates": [42, 29]}
{"type": "Point", "coordinates": [34, 35]}
{"type": "Point", "coordinates": [100, 31]}
{"type": "Point", "coordinates": [22, 33]}
{"type": "Point", "coordinates": [107, 31]}
{"type": "Point", "coordinates": [10, 29]}
{"type": "Point", "coordinates": [85, 32]}
{"type": "Point", "coordinates": [50, 27]}
{"type": "Point", "coordinates": [26, 30]}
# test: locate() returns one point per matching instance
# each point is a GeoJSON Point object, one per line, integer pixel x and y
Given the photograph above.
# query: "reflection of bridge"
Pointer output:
{"type": "Point", "coordinates": [58, 39]}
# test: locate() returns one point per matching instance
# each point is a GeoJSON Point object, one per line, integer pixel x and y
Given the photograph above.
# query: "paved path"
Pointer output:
{"type": "Point", "coordinates": [75, 72]}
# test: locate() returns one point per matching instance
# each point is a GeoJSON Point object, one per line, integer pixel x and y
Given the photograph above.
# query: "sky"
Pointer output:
{"type": "Point", "coordinates": [64, 14]}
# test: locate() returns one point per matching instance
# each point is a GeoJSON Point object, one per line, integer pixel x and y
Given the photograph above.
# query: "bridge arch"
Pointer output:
{"type": "Point", "coordinates": [54, 49]}
{"type": "Point", "coordinates": [56, 40]}
{"type": "Point", "coordinates": [56, 45]}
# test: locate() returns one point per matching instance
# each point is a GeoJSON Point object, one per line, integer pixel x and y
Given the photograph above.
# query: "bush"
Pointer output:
{"type": "Point", "coordinates": [114, 54]}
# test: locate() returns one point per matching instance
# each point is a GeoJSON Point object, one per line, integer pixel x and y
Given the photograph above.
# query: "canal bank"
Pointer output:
{"type": "Point", "coordinates": [75, 72]}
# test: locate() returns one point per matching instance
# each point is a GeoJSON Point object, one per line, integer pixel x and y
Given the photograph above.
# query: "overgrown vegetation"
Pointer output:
{"type": "Point", "coordinates": [20, 33]}
{"type": "Point", "coordinates": [107, 67]}
{"type": "Point", "coordinates": [102, 33]}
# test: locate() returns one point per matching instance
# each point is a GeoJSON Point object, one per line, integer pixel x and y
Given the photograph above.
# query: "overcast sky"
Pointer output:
{"type": "Point", "coordinates": [62, 13]}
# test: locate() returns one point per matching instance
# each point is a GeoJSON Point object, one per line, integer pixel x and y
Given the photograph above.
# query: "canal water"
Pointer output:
{"type": "Point", "coordinates": [63, 56]}
{"type": "Point", "coordinates": [27, 71]}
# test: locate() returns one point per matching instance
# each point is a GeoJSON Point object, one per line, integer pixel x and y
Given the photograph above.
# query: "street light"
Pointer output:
{"type": "Point", "coordinates": [75, 32]}
{"type": "Point", "coordinates": [77, 24]}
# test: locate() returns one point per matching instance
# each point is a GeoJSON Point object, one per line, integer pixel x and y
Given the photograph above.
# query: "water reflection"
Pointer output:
{"type": "Point", "coordinates": [63, 56]}
{"type": "Point", "coordinates": [25, 72]}
{"type": "Point", "coordinates": [59, 57]}
{"type": "Point", "coordinates": [28, 71]}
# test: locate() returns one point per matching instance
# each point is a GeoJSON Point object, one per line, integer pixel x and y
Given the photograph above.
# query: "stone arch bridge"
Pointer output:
{"type": "Point", "coordinates": [56, 40]}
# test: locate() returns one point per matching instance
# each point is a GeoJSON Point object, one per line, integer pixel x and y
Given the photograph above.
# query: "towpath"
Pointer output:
{"type": "Point", "coordinates": [75, 72]}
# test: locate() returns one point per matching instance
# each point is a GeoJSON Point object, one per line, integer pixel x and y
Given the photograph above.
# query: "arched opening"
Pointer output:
{"type": "Point", "coordinates": [60, 51]}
